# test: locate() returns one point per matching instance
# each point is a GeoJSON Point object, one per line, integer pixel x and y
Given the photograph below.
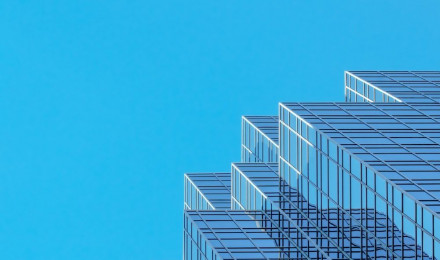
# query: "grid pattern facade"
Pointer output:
{"type": "Point", "coordinates": [342, 156]}
{"type": "Point", "coordinates": [392, 86]}
{"type": "Point", "coordinates": [207, 191]}
{"type": "Point", "coordinates": [351, 180]}
{"type": "Point", "coordinates": [259, 140]}
{"type": "Point", "coordinates": [235, 235]}
{"type": "Point", "coordinates": [322, 233]}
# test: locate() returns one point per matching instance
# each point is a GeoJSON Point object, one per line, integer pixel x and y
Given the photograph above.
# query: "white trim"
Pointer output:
{"type": "Point", "coordinates": [357, 93]}
{"type": "Point", "coordinates": [365, 82]}
{"type": "Point", "coordinates": [294, 131]}
{"type": "Point", "coordinates": [290, 165]}
{"type": "Point", "coordinates": [239, 204]}
{"type": "Point", "coordinates": [295, 114]}
{"type": "Point", "coordinates": [247, 149]}
{"type": "Point", "coordinates": [199, 191]}
{"type": "Point", "coordinates": [249, 181]}
{"type": "Point", "coordinates": [261, 132]}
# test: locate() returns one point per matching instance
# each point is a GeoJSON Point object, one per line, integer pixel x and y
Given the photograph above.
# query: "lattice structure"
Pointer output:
{"type": "Point", "coordinates": [351, 180]}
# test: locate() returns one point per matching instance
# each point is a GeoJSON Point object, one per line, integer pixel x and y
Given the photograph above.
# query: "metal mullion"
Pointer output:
{"type": "Point", "coordinates": [199, 231]}
{"type": "Point", "coordinates": [373, 154]}
{"type": "Point", "coordinates": [338, 199]}
{"type": "Point", "coordinates": [375, 214]}
{"type": "Point", "coordinates": [319, 131]}
{"type": "Point", "coordinates": [427, 97]}
{"type": "Point", "coordinates": [242, 139]}
{"type": "Point", "coordinates": [299, 229]}
{"type": "Point", "coordinates": [310, 221]}
{"type": "Point", "coordinates": [351, 210]}
{"type": "Point", "coordinates": [416, 231]}
{"type": "Point", "coordinates": [245, 233]}
{"type": "Point", "coordinates": [387, 215]}
{"type": "Point", "coordinates": [361, 214]}
{"type": "Point", "coordinates": [377, 88]}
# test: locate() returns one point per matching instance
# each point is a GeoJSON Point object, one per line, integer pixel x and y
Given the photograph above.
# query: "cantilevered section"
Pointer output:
{"type": "Point", "coordinates": [252, 184]}
{"type": "Point", "coordinates": [207, 191]}
{"type": "Point", "coordinates": [395, 140]}
{"type": "Point", "coordinates": [332, 236]}
{"type": "Point", "coordinates": [392, 86]}
{"type": "Point", "coordinates": [388, 155]}
{"type": "Point", "coordinates": [259, 139]}
{"type": "Point", "coordinates": [257, 186]}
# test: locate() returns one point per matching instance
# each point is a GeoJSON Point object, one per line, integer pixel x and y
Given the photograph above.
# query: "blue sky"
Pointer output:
{"type": "Point", "coordinates": [105, 104]}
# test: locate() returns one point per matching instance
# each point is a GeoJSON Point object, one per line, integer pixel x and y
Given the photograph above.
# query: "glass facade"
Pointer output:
{"type": "Point", "coordinates": [207, 191]}
{"type": "Point", "coordinates": [392, 86]}
{"type": "Point", "coordinates": [351, 180]}
{"type": "Point", "coordinates": [259, 139]}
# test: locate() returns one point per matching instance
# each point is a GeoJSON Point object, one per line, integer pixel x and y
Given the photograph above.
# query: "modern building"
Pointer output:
{"type": "Point", "coordinates": [358, 179]}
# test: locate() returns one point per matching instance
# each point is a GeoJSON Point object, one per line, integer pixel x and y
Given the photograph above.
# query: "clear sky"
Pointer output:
{"type": "Point", "coordinates": [105, 104]}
